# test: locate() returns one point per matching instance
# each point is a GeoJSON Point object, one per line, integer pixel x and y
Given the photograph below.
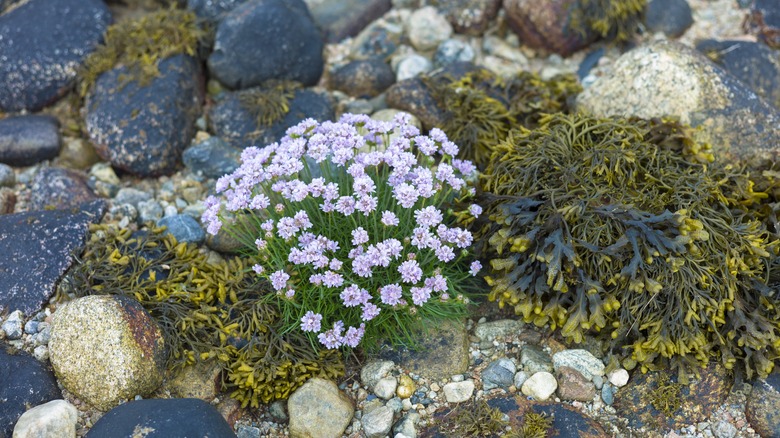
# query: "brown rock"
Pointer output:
{"type": "Point", "coordinates": [572, 385]}
{"type": "Point", "coordinates": [7, 200]}
{"type": "Point", "coordinates": [546, 24]}
{"type": "Point", "coordinates": [412, 96]}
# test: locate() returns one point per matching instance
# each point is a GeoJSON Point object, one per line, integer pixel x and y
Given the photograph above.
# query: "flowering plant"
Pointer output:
{"type": "Point", "coordinates": [350, 222]}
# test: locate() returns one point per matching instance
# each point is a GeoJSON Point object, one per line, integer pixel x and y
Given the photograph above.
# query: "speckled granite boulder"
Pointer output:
{"type": "Point", "coordinates": [42, 44]}
{"type": "Point", "coordinates": [319, 409]}
{"type": "Point", "coordinates": [763, 406]}
{"type": "Point", "coordinates": [665, 78]}
{"type": "Point", "coordinates": [143, 130]}
{"type": "Point", "coordinates": [106, 349]}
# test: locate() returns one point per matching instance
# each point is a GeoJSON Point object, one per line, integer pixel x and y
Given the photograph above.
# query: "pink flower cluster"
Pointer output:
{"type": "Point", "coordinates": [387, 197]}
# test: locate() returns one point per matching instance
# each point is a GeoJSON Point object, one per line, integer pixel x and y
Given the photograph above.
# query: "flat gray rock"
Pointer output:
{"type": "Point", "coordinates": [37, 249]}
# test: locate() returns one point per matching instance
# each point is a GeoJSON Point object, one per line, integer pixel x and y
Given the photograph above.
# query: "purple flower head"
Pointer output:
{"type": "Point", "coordinates": [331, 338]}
{"type": "Point", "coordinates": [302, 220]}
{"type": "Point", "coordinates": [366, 204]}
{"type": "Point", "coordinates": [410, 271]}
{"type": "Point", "coordinates": [345, 205]}
{"type": "Point", "coordinates": [425, 145]}
{"type": "Point", "coordinates": [476, 266]}
{"type": "Point", "coordinates": [475, 210]}
{"type": "Point", "coordinates": [405, 194]}
{"type": "Point", "coordinates": [389, 219]}
{"type": "Point", "coordinates": [390, 294]}
{"type": "Point", "coordinates": [370, 311]}
{"type": "Point", "coordinates": [354, 335]}
{"type": "Point", "coordinates": [428, 217]}
{"type": "Point", "coordinates": [311, 322]}
{"type": "Point", "coordinates": [437, 283]}
{"type": "Point", "coordinates": [359, 236]}
{"type": "Point", "coordinates": [258, 269]}
{"type": "Point", "coordinates": [335, 264]}
{"type": "Point", "coordinates": [286, 228]}
{"type": "Point", "coordinates": [353, 296]}
{"type": "Point", "coordinates": [465, 167]}
{"type": "Point", "coordinates": [420, 295]}
{"type": "Point", "coordinates": [332, 279]}
{"type": "Point", "coordinates": [279, 280]}
{"type": "Point", "coordinates": [289, 293]}
{"type": "Point", "coordinates": [445, 253]}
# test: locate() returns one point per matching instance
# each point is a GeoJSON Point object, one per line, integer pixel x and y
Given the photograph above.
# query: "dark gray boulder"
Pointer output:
{"type": "Point", "coordinates": [267, 39]}
{"type": "Point", "coordinates": [144, 129]}
{"type": "Point", "coordinates": [26, 140]}
{"type": "Point", "coordinates": [42, 44]}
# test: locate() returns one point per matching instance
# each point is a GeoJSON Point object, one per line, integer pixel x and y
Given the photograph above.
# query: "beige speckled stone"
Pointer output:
{"type": "Point", "coordinates": [669, 79]}
{"type": "Point", "coordinates": [319, 410]}
{"type": "Point", "coordinates": [105, 349]}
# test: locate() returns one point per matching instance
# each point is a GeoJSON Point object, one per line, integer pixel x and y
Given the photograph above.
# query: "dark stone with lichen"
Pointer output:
{"type": "Point", "coordinates": [235, 124]}
{"type": "Point", "coordinates": [144, 129]}
{"type": "Point", "coordinates": [57, 188]}
{"type": "Point", "coordinates": [546, 25]}
{"type": "Point", "coordinates": [755, 64]}
{"type": "Point", "coordinates": [339, 19]}
{"type": "Point", "coordinates": [37, 249]}
{"type": "Point", "coordinates": [470, 17]}
{"type": "Point", "coordinates": [363, 78]}
{"type": "Point", "coordinates": [697, 400]}
{"type": "Point", "coordinates": [42, 44]}
{"type": "Point", "coordinates": [30, 139]}
{"type": "Point", "coordinates": [212, 11]}
{"type": "Point", "coordinates": [25, 382]}
{"type": "Point", "coordinates": [763, 406]}
{"type": "Point", "coordinates": [163, 418]}
{"type": "Point", "coordinates": [672, 17]}
{"type": "Point", "coordinates": [262, 40]}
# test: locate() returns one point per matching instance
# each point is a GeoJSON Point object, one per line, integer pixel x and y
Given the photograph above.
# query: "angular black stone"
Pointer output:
{"type": "Point", "coordinates": [229, 120]}
{"type": "Point", "coordinates": [26, 140]}
{"type": "Point", "coordinates": [163, 418]}
{"type": "Point", "coordinates": [37, 249]}
{"type": "Point", "coordinates": [267, 39]}
{"type": "Point", "coordinates": [59, 188]}
{"type": "Point", "coordinates": [42, 43]}
{"type": "Point", "coordinates": [672, 17]}
{"type": "Point", "coordinates": [755, 64]}
{"type": "Point", "coordinates": [143, 130]}
{"type": "Point", "coordinates": [24, 383]}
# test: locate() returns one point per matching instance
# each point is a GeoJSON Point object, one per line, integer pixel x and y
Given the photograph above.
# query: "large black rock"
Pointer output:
{"type": "Point", "coordinates": [37, 248]}
{"type": "Point", "coordinates": [42, 43]}
{"type": "Point", "coordinates": [267, 39]}
{"type": "Point", "coordinates": [163, 418]}
{"type": "Point", "coordinates": [144, 129]}
{"type": "Point", "coordinates": [24, 383]}
{"type": "Point", "coordinates": [229, 120]}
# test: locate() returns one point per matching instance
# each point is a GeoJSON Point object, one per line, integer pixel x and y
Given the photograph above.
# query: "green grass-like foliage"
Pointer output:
{"type": "Point", "coordinates": [618, 227]}
{"type": "Point", "coordinates": [208, 311]}
{"type": "Point", "coordinates": [616, 20]}
{"type": "Point", "coordinates": [481, 108]}
{"type": "Point", "coordinates": [140, 45]}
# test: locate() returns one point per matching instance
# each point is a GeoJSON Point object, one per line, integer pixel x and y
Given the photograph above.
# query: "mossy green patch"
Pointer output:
{"type": "Point", "coordinates": [139, 45]}
{"type": "Point", "coordinates": [208, 310]}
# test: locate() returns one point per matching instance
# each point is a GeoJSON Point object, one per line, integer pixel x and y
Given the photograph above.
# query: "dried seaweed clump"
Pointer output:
{"type": "Point", "coordinates": [208, 310]}
{"type": "Point", "coordinates": [615, 20]}
{"type": "Point", "coordinates": [140, 45]}
{"type": "Point", "coordinates": [269, 102]}
{"type": "Point", "coordinates": [481, 108]}
{"type": "Point", "coordinates": [596, 228]}
{"type": "Point", "coordinates": [477, 420]}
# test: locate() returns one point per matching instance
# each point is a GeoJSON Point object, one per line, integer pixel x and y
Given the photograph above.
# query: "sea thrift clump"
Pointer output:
{"type": "Point", "coordinates": [352, 225]}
